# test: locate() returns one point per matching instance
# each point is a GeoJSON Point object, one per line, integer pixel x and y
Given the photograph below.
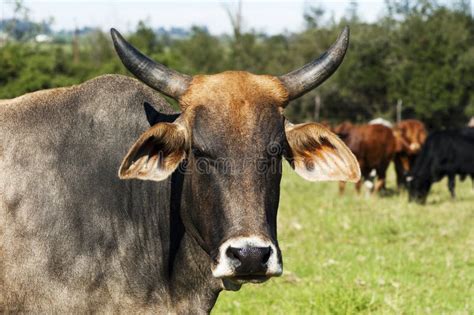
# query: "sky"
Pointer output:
{"type": "Point", "coordinates": [262, 15]}
{"type": "Point", "coordinates": [270, 16]}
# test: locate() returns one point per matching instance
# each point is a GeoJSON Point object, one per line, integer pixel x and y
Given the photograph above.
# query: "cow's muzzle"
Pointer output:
{"type": "Point", "coordinates": [247, 259]}
{"type": "Point", "coordinates": [415, 147]}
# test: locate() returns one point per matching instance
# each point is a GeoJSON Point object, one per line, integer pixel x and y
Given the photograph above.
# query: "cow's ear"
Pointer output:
{"type": "Point", "coordinates": [156, 154]}
{"type": "Point", "coordinates": [317, 154]}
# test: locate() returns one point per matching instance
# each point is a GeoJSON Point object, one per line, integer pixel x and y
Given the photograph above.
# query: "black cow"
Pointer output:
{"type": "Point", "coordinates": [445, 153]}
{"type": "Point", "coordinates": [192, 210]}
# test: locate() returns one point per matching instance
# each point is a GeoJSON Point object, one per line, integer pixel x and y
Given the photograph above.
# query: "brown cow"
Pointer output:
{"type": "Point", "coordinates": [410, 135]}
{"type": "Point", "coordinates": [374, 147]}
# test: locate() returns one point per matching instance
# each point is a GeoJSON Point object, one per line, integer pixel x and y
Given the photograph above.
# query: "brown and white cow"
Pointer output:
{"type": "Point", "coordinates": [374, 147]}
{"type": "Point", "coordinates": [410, 135]}
{"type": "Point", "coordinates": [196, 213]}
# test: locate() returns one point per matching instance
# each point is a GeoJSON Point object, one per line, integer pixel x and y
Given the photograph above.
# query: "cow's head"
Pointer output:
{"type": "Point", "coordinates": [231, 137]}
{"type": "Point", "coordinates": [421, 177]}
{"type": "Point", "coordinates": [410, 136]}
{"type": "Point", "coordinates": [418, 188]}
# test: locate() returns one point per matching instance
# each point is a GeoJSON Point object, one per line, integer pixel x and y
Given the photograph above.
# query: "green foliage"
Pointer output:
{"type": "Point", "coordinates": [420, 52]}
{"type": "Point", "coordinates": [432, 64]}
{"type": "Point", "coordinates": [145, 39]}
{"type": "Point", "coordinates": [200, 53]}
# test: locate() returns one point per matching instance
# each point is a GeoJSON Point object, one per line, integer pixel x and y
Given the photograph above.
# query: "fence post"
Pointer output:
{"type": "Point", "coordinates": [317, 107]}
{"type": "Point", "coordinates": [399, 110]}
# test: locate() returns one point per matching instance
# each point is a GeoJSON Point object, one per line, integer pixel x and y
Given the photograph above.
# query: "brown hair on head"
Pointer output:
{"type": "Point", "coordinates": [234, 88]}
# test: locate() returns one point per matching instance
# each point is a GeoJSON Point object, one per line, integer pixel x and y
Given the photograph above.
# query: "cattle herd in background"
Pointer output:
{"type": "Point", "coordinates": [419, 159]}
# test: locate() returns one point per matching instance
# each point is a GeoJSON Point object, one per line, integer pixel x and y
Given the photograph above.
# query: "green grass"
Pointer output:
{"type": "Point", "coordinates": [367, 255]}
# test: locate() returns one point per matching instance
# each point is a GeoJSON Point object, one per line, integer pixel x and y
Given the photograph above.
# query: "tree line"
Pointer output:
{"type": "Point", "coordinates": [419, 53]}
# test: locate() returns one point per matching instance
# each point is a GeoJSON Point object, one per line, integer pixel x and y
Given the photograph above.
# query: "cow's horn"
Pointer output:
{"type": "Point", "coordinates": [158, 76]}
{"type": "Point", "coordinates": [306, 78]}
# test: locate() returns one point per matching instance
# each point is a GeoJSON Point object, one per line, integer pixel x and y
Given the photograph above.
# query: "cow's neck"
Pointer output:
{"type": "Point", "coordinates": [193, 289]}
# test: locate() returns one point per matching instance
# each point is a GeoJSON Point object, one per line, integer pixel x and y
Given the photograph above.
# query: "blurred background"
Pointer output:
{"type": "Point", "coordinates": [418, 54]}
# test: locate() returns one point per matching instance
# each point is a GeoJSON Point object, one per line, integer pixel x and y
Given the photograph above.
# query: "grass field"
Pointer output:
{"type": "Point", "coordinates": [368, 255]}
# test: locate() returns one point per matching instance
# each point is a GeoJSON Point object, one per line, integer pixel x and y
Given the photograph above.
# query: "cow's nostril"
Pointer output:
{"type": "Point", "coordinates": [266, 255]}
{"type": "Point", "coordinates": [250, 259]}
{"type": "Point", "coordinates": [233, 253]}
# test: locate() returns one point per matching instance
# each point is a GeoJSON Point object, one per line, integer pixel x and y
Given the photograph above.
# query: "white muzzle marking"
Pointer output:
{"type": "Point", "coordinates": [226, 266]}
{"type": "Point", "coordinates": [414, 146]}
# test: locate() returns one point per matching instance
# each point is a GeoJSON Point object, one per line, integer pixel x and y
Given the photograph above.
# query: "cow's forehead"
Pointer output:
{"type": "Point", "coordinates": [229, 90]}
{"type": "Point", "coordinates": [239, 107]}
